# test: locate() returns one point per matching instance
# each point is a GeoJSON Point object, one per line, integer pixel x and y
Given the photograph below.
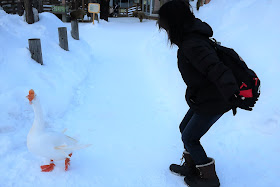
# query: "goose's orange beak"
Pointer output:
{"type": "Point", "coordinates": [31, 95]}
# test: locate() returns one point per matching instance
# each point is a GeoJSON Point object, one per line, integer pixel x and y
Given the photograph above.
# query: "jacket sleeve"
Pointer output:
{"type": "Point", "coordinates": [204, 59]}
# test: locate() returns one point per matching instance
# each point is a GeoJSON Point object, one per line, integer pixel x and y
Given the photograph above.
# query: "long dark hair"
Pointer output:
{"type": "Point", "coordinates": [176, 17]}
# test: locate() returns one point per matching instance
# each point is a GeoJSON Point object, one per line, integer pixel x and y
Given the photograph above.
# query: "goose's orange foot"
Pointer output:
{"type": "Point", "coordinates": [67, 162]}
{"type": "Point", "coordinates": [48, 168]}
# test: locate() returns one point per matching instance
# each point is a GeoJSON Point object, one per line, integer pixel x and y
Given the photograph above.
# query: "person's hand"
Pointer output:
{"type": "Point", "coordinates": [242, 102]}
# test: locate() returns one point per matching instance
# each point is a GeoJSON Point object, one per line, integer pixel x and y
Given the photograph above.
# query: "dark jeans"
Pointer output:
{"type": "Point", "coordinates": [192, 128]}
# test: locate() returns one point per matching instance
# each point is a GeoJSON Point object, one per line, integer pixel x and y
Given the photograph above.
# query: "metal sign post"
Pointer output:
{"type": "Point", "coordinates": [93, 8]}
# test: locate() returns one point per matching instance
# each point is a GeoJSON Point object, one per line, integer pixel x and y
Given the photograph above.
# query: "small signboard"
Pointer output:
{"type": "Point", "coordinates": [93, 8]}
{"type": "Point", "coordinates": [59, 9]}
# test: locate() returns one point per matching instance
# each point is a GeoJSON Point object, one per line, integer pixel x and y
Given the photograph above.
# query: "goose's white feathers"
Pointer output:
{"type": "Point", "coordinates": [45, 143]}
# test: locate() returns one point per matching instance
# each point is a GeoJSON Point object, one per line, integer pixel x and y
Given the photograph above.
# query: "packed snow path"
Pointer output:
{"type": "Point", "coordinates": [121, 106]}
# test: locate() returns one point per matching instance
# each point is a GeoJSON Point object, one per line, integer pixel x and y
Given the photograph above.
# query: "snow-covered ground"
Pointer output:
{"type": "Point", "coordinates": [119, 89]}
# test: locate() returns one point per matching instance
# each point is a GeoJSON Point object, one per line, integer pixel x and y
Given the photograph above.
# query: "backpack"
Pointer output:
{"type": "Point", "coordinates": [247, 79]}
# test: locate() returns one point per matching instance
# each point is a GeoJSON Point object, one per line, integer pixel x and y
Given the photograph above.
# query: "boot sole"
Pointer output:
{"type": "Point", "coordinates": [174, 173]}
{"type": "Point", "coordinates": [207, 186]}
{"type": "Point", "coordinates": [180, 175]}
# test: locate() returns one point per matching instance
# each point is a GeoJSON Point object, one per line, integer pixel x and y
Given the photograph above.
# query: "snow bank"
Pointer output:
{"type": "Point", "coordinates": [55, 81]}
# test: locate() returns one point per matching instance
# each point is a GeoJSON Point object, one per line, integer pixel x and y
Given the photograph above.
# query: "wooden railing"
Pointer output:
{"type": "Point", "coordinates": [9, 6]}
{"type": "Point", "coordinates": [128, 12]}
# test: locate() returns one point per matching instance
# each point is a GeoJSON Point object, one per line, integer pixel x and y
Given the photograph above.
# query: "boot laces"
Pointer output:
{"type": "Point", "coordinates": [182, 159]}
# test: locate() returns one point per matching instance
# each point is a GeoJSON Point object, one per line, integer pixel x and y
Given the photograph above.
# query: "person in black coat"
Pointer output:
{"type": "Point", "coordinates": [211, 88]}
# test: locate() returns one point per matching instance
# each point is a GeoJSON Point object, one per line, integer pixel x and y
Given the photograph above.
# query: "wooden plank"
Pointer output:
{"type": "Point", "coordinates": [36, 50]}
{"type": "Point", "coordinates": [63, 40]}
{"type": "Point", "coordinates": [75, 29]}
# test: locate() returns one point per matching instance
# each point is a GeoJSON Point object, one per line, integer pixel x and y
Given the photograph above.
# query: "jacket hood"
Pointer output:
{"type": "Point", "coordinates": [200, 27]}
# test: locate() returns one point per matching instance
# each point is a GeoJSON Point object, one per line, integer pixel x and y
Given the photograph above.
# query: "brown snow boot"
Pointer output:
{"type": "Point", "coordinates": [187, 168]}
{"type": "Point", "coordinates": [207, 177]}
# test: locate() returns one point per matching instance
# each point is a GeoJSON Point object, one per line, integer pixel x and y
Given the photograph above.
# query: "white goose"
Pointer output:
{"type": "Point", "coordinates": [51, 145]}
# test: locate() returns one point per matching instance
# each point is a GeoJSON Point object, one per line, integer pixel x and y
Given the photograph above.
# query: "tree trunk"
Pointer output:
{"type": "Point", "coordinates": [104, 9]}
{"type": "Point", "coordinates": [28, 11]}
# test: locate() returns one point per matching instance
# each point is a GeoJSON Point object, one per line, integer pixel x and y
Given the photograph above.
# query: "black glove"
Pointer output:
{"type": "Point", "coordinates": [242, 102]}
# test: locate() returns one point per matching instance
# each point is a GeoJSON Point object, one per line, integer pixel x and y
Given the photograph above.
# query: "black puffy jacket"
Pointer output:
{"type": "Point", "coordinates": [210, 84]}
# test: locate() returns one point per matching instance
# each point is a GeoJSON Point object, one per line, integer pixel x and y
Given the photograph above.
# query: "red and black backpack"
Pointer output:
{"type": "Point", "coordinates": [247, 79]}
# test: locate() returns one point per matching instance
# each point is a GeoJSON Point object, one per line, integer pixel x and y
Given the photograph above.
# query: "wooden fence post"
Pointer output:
{"type": "Point", "coordinates": [29, 16]}
{"type": "Point", "coordinates": [95, 17]}
{"type": "Point", "coordinates": [75, 29]}
{"type": "Point", "coordinates": [63, 40]}
{"type": "Point", "coordinates": [35, 50]}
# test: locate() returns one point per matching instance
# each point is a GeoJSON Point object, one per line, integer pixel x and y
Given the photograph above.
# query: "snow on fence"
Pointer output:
{"type": "Point", "coordinates": [47, 4]}
{"type": "Point", "coordinates": [132, 9]}
{"type": "Point", "coordinates": [129, 11]}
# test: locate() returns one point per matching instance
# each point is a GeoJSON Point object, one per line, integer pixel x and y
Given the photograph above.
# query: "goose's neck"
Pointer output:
{"type": "Point", "coordinates": [39, 123]}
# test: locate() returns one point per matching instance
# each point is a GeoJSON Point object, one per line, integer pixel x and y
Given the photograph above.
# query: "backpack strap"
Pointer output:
{"type": "Point", "coordinates": [216, 45]}
{"type": "Point", "coordinates": [234, 111]}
